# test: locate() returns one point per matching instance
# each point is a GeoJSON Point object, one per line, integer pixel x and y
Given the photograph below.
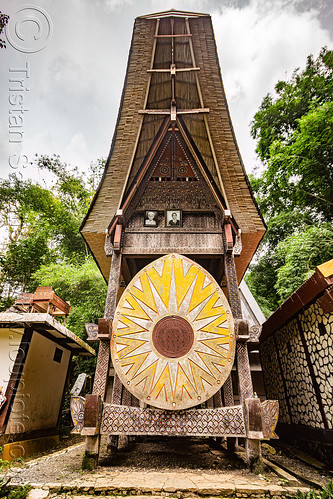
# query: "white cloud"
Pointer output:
{"type": "Point", "coordinates": [77, 150]}
{"type": "Point", "coordinates": [259, 45]}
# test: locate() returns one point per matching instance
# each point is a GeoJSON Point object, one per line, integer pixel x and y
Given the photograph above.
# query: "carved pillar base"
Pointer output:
{"type": "Point", "coordinates": [90, 458]}
{"type": "Point", "coordinates": [253, 455]}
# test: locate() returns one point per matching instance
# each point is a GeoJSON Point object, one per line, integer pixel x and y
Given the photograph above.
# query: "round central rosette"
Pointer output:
{"type": "Point", "coordinates": [172, 342]}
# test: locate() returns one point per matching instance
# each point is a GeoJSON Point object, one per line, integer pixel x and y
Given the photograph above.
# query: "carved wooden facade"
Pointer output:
{"type": "Point", "coordinates": [175, 221]}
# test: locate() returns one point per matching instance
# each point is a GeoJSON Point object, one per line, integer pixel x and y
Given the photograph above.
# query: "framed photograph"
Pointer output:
{"type": "Point", "coordinates": [173, 218]}
{"type": "Point", "coordinates": [150, 218]}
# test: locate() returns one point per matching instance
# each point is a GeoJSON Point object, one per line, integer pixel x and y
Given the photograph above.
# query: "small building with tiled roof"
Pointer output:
{"type": "Point", "coordinates": [35, 354]}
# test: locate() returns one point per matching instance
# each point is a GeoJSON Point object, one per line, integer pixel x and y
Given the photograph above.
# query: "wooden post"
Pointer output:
{"type": "Point", "coordinates": [90, 459]}
{"type": "Point", "coordinates": [253, 452]}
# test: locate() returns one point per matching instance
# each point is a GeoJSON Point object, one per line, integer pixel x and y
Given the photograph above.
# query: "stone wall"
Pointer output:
{"type": "Point", "coordinates": [297, 363]}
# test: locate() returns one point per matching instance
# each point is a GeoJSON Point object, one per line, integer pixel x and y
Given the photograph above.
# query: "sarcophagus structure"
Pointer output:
{"type": "Point", "coordinates": [173, 227]}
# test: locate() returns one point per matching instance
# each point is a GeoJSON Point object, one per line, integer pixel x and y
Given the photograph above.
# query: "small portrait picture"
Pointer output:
{"type": "Point", "coordinates": [173, 218]}
{"type": "Point", "coordinates": [150, 218]}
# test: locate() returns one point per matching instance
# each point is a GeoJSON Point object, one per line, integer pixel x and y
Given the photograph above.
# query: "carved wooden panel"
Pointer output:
{"type": "Point", "coordinates": [173, 341]}
{"type": "Point", "coordinates": [226, 421]}
{"type": "Point", "coordinates": [172, 240]}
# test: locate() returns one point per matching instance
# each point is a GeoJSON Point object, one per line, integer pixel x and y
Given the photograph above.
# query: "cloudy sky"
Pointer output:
{"type": "Point", "coordinates": [70, 59]}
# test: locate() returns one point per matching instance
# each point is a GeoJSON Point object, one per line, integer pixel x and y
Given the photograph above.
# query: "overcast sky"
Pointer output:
{"type": "Point", "coordinates": [76, 76]}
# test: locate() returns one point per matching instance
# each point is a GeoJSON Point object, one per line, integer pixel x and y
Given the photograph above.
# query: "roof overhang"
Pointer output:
{"type": "Point", "coordinates": [47, 326]}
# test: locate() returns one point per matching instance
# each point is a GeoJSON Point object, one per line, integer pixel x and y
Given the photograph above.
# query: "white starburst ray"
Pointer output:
{"type": "Point", "coordinates": [150, 359]}
{"type": "Point", "coordinates": [121, 325]}
{"type": "Point", "coordinates": [126, 304]}
{"type": "Point", "coordinates": [201, 347]}
{"type": "Point", "coordinates": [188, 372]}
{"type": "Point", "coordinates": [159, 369]}
{"type": "Point", "coordinates": [206, 282]}
{"type": "Point", "coordinates": [151, 313]}
{"type": "Point", "coordinates": [173, 374]}
{"type": "Point", "coordinates": [120, 347]}
{"type": "Point", "coordinates": [196, 311]}
{"type": "Point", "coordinates": [187, 299]}
{"type": "Point", "coordinates": [205, 335]}
{"type": "Point", "coordinates": [144, 323]}
{"type": "Point", "coordinates": [159, 266]}
{"type": "Point", "coordinates": [197, 360]}
{"type": "Point", "coordinates": [186, 266]}
{"type": "Point", "coordinates": [142, 335]}
{"type": "Point", "coordinates": [201, 323]}
{"type": "Point", "coordinates": [172, 305]}
{"type": "Point", "coordinates": [145, 348]}
{"type": "Point", "coordinates": [161, 308]}
{"type": "Point", "coordinates": [138, 284]}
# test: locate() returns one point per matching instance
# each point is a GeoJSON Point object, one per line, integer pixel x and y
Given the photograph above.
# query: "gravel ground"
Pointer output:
{"type": "Point", "coordinates": [192, 455]}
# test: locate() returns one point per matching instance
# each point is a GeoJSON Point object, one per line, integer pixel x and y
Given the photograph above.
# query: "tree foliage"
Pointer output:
{"type": "Point", "coordinates": [84, 287]}
{"type": "Point", "coordinates": [42, 221]}
{"type": "Point", "coordinates": [294, 132]}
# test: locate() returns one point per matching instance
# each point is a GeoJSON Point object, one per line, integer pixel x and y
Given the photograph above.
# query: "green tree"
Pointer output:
{"type": "Point", "coordinates": [84, 287]}
{"type": "Point", "coordinates": [294, 130]}
{"type": "Point", "coordinates": [42, 222]}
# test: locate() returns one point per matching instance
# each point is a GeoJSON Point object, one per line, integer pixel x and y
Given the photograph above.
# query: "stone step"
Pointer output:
{"type": "Point", "coordinates": [172, 490]}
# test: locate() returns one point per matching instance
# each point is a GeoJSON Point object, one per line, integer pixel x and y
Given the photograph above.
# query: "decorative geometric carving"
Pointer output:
{"type": "Point", "coordinates": [255, 332]}
{"type": "Point", "coordinates": [173, 367]}
{"type": "Point", "coordinates": [102, 368]}
{"type": "Point", "coordinates": [77, 411]}
{"type": "Point", "coordinates": [228, 392]}
{"type": "Point", "coordinates": [226, 421]}
{"type": "Point", "coordinates": [238, 244]}
{"type": "Point", "coordinates": [92, 332]}
{"type": "Point", "coordinates": [232, 283]}
{"type": "Point", "coordinates": [218, 399]}
{"type": "Point", "coordinates": [270, 415]}
{"type": "Point", "coordinates": [244, 372]}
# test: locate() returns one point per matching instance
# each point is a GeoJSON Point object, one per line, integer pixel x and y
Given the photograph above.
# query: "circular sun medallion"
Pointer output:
{"type": "Point", "coordinates": [172, 342]}
{"type": "Point", "coordinates": [173, 336]}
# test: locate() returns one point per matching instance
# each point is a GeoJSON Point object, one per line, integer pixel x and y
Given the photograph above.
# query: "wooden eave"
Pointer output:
{"type": "Point", "coordinates": [144, 104]}
{"type": "Point", "coordinates": [312, 289]}
{"type": "Point", "coordinates": [46, 325]}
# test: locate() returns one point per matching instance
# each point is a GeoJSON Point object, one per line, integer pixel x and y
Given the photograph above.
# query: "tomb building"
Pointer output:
{"type": "Point", "coordinates": [173, 226]}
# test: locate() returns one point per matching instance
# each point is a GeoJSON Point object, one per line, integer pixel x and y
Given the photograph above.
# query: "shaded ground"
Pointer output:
{"type": "Point", "coordinates": [170, 453]}
{"type": "Point", "coordinates": [194, 456]}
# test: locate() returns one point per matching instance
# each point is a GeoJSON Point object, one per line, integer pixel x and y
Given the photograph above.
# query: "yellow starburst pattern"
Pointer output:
{"type": "Point", "coordinates": [173, 341]}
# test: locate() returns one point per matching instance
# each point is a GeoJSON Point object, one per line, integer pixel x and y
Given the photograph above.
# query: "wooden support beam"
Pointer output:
{"type": "Point", "coordinates": [184, 35]}
{"type": "Point", "coordinates": [179, 111]}
{"type": "Point", "coordinates": [92, 445]}
{"type": "Point", "coordinates": [177, 70]}
{"type": "Point", "coordinates": [253, 449]}
{"type": "Point", "coordinates": [117, 238]}
{"type": "Point", "coordinates": [228, 238]}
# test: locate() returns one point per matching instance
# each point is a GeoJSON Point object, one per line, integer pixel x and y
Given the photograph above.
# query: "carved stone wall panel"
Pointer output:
{"type": "Point", "coordinates": [226, 421]}
{"type": "Point", "coordinates": [301, 394]}
{"type": "Point", "coordinates": [273, 377]}
{"type": "Point", "coordinates": [318, 333]}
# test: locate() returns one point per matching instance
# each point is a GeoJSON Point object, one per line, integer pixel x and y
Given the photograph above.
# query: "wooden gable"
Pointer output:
{"type": "Point", "coordinates": [173, 147]}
